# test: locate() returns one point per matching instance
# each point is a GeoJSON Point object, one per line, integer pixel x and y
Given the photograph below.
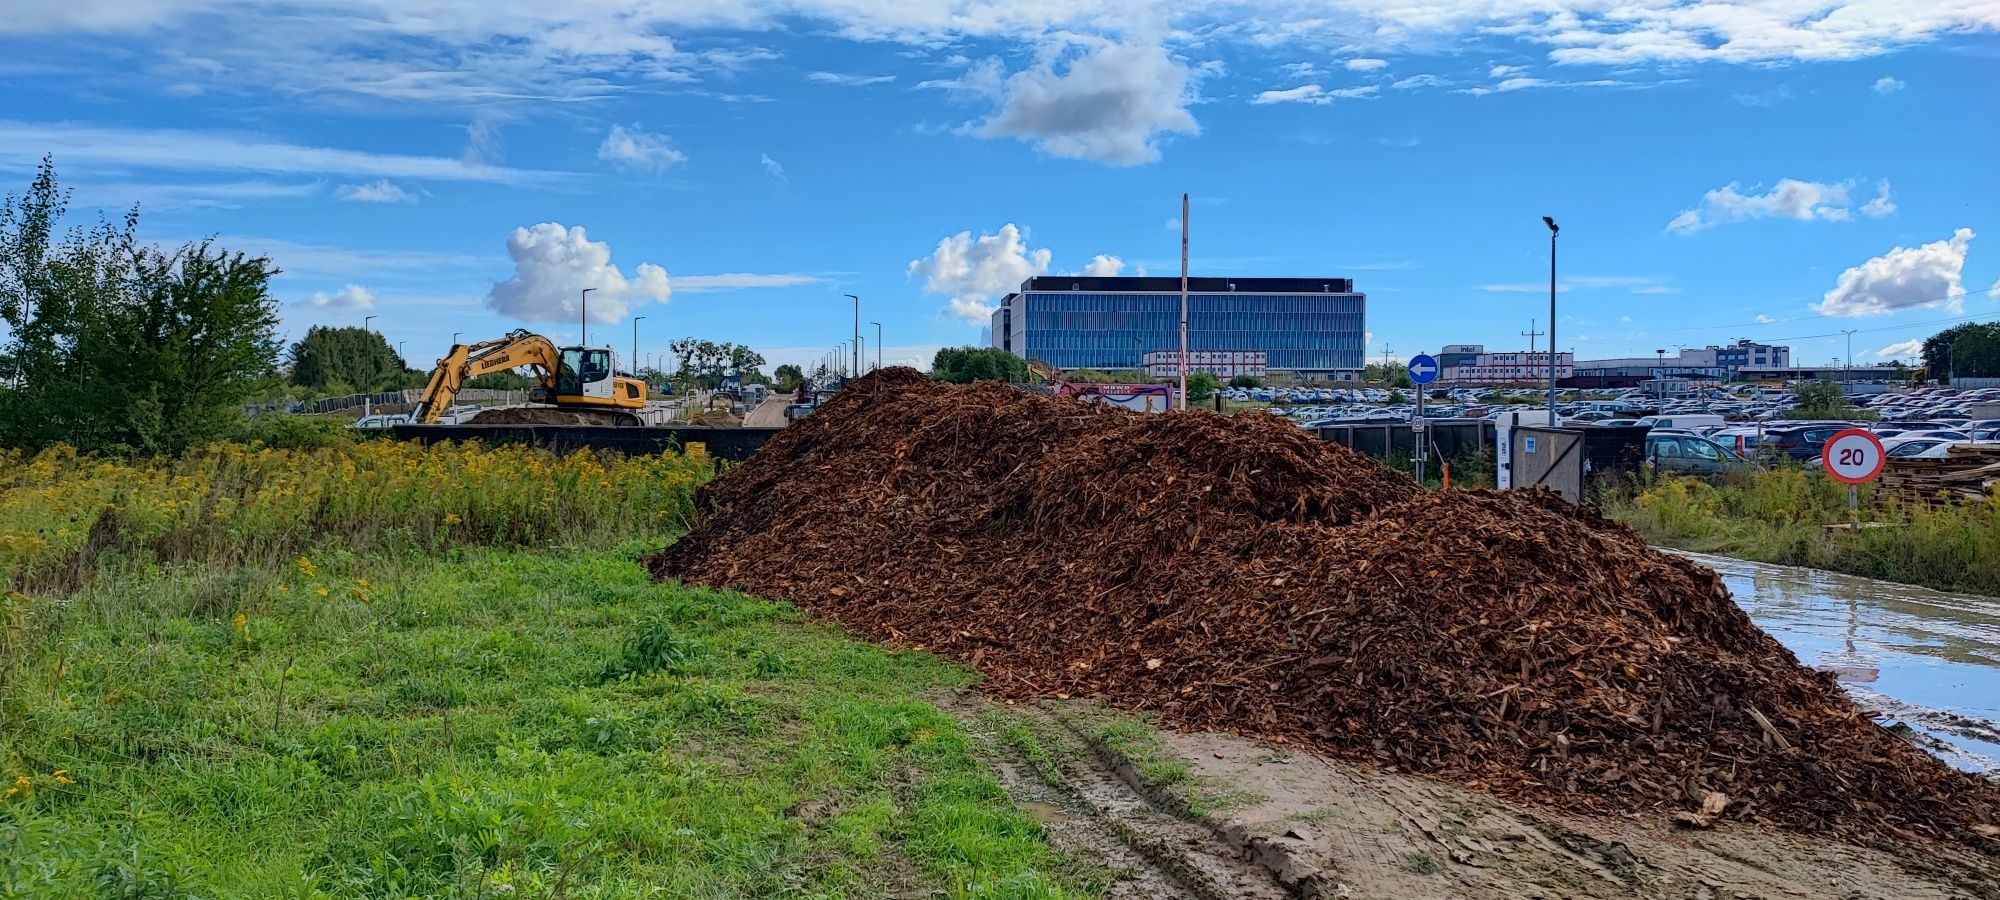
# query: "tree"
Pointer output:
{"type": "Point", "coordinates": [122, 347]}
{"type": "Point", "coordinates": [1246, 381]}
{"type": "Point", "coordinates": [1391, 375]}
{"type": "Point", "coordinates": [1823, 400]}
{"type": "Point", "coordinates": [344, 360]}
{"type": "Point", "coordinates": [705, 362]}
{"type": "Point", "coordinates": [788, 377]}
{"type": "Point", "coordinates": [1202, 385]}
{"type": "Point", "coordinates": [964, 365]}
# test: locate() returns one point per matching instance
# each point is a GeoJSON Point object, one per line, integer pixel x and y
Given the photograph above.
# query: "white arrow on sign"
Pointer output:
{"type": "Point", "coordinates": [1422, 368]}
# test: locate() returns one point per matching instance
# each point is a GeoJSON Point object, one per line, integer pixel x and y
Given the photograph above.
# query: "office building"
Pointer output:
{"type": "Point", "coordinates": [1726, 362]}
{"type": "Point", "coordinates": [1306, 327]}
{"type": "Point", "coordinates": [1502, 368]}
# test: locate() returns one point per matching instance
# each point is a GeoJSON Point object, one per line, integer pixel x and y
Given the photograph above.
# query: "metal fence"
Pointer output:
{"type": "Point", "coordinates": [1449, 439]}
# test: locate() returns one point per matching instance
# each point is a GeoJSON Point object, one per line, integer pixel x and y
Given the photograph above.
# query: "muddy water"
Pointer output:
{"type": "Point", "coordinates": [1922, 658]}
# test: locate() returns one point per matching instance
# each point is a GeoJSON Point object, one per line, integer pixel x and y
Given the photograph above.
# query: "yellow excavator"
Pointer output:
{"type": "Point", "coordinates": [577, 380]}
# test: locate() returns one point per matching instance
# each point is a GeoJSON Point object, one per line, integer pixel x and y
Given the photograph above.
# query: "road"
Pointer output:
{"type": "Point", "coordinates": [770, 413]}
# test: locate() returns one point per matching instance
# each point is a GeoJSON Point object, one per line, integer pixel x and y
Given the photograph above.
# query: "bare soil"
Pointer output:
{"type": "Point", "coordinates": [1307, 825]}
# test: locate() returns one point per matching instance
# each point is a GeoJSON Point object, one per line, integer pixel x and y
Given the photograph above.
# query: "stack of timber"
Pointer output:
{"type": "Point", "coordinates": [1968, 474]}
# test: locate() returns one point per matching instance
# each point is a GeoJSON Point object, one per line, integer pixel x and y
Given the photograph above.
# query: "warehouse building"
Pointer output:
{"type": "Point", "coordinates": [1305, 327]}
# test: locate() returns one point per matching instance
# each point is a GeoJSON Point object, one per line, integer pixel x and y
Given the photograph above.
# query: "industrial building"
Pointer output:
{"type": "Point", "coordinates": [1480, 367]}
{"type": "Point", "coordinates": [1717, 363]}
{"type": "Point", "coordinates": [1306, 327]}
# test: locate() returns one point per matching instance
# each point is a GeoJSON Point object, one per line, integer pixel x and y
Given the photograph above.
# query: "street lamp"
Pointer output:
{"type": "Point", "coordinates": [367, 319]}
{"type": "Point", "coordinates": [1553, 230]}
{"type": "Point", "coordinates": [857, 332]}
{"type": "Point", "coordinates": [583, 317]}
{"type": "Point", "coordinates": [635, 344]}
{"type": "Point", "coordinates": [1844, 375]}
{"type": "Point", "coordinates": [1660, 376]}
{"type": "Point", "coordinates": [454, 337]}
{"type": "Point", "coordinates": [878, 344]}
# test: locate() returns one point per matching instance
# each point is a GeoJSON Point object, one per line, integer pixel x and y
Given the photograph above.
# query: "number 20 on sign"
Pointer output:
{"type": "Point", "coordinates": [1853, 457]}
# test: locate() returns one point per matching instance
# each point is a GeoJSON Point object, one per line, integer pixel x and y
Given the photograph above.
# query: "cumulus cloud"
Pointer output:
{"type": "Point", "coordinates": [772, 166]}
{"type": "Point", "coordinates": [1365, 64]}
{"type": "Point", "coordinates": [1926, 276]}
{"type": "Point", "coordinates": [552, 266]}
{"type": "Point", "coordinates": [972, 271]}
{"type": "Point", "coordinates": [381, 190]}
{"type": "Point", "coordinates": [643, 151]}
{"type": "Point", "coordinates": [1887, 85]}
{"type": "Point", "coordinates": [1111, 104]}
{"type": "Point", "coordinates": [351, 298]}
{"type": "Point", "coordinates": [1103, 265]}
{"type": "Point", "coordinates": [1790, 198]}
{"type": "Point", "coordinates": [1901, 349]}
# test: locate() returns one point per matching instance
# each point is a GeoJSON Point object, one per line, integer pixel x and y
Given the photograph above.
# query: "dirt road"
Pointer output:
{"type": "Point", "coordinates": [1214, 815]}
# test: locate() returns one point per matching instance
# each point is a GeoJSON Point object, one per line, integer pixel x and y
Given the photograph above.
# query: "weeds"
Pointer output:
{"type": "Point", "coordinates": [1781, 515]}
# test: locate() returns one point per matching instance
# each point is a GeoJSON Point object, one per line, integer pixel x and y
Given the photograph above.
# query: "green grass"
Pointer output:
{"type": "Point", "coordinates": [481, 723]}
{"type": "Point", "coordinates": [1780, 516]}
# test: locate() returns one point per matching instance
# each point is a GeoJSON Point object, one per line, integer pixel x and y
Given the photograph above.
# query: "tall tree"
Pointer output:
{"type": "Point", "coordinates": [344, 360]}
{"type": "Point", "coordinates": [964, 365]}
{"type": "Point", "coordinates": [124, 347]}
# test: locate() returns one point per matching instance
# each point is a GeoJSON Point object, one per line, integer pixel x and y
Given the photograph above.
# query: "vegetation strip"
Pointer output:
{"type": "Point", "coordinates": [371, 703]}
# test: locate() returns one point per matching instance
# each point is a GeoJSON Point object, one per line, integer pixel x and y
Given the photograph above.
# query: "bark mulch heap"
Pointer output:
{"type": "Point", "coordinates": [1237, 573]}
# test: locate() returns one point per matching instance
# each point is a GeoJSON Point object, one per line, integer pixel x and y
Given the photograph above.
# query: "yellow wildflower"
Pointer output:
{"type": "Point", "coordinates": [321, 590]}
{"type": "Point", "coordinates": [242, 621]}
{"type": "Point", "coordinates": [62, 777]}
{"type": "Point", "coordinates": [306, 567]}
{"type": "Point", "coordinates": [22, 785]}
{"type": "Point", "coordinates": [451, 519]}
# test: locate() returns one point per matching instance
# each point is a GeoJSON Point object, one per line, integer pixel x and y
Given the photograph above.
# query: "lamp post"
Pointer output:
{"type": "Point", "coordinates": [583, 317]}
{"type": "Point", "coordinates": [857, 332]}
{"type": "Point", "coordinates": [367, 319]}
{"type": "Point", "coordinates": [1553, 231]}
{"type": "Point", "coordinates": [878, 344]}
{"type": "Point", "coordinates": [454, 337]}
{"type": "Point", "coordinates": [1844, 373]}
{"type": "Point", "coordinates": [1660, 376]}
{"type": "Point", "coordinates": [635, 344]}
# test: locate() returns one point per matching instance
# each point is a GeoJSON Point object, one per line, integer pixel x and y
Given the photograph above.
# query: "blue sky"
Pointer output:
{"type": "Point", "coordinates": [730, 168]}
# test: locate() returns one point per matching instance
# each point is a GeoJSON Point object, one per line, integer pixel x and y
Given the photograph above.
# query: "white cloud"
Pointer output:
{"type": "Point", "coordinates": [633, 148]}
{"type": "Point", "coordinates": [553, 264]}
{"type": "Point", "coordinates": [1790, 198]}
{"type": "Point", "coordinates": [772, 166]}
{"type": "Point", "coordinates": [1314, 94]}
{"type": "Point", "coordinates": [1901, 350]}
{"type": "Point", "coordinates": [1504, 71]}
{"type": "Point", "coordinates": [1112, 104]}
{"type": "Point", "coordinates": [973, 271]}
{"type": "Point", "coordinates": [381, 190]}
{"type": "Point", "coordinates": [152, 196]}
{"type": "Point", "coordinates": [1301, 69]}
{"type": "Point", "coordinates": [1174, 223]}
{"type": "Point", "coordinates": [1103, 266]}
{"type": "Point", "coordinates": [482, 139]}
{"type": "Point", "coordinates": [1365, 64]}
{"type": "Point", "coordinates": [1305, 93]}
{"type": "Point", "coordinates": [1926, 276]}
{"type": "Point", "coordinates": [22, 144]}
{"type": "Point", "coordinates": [1764, 319]}
{"type": "Point", "coordinates": [735, 281]}
{"type": "Point", "coordinates": [348, 299]}
{"type": "Point", "coordinates": [845, 79]}
{"type": "Point", "coordinates": [1887, 85]}
{"type": "Point", "coordinates": [1421, 81]}
{"type": "Point", "coordinates": [1881, 205]}
{"type": "Point", "coordinates": [1994, 291]}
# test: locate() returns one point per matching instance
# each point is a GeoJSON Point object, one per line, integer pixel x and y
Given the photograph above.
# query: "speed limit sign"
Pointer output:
{"type": "Point", "coordinates": [1854, 456]}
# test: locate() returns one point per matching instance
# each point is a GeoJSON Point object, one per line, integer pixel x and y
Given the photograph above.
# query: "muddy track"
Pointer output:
{"type": "Point", "coordinates": [1089, 810]}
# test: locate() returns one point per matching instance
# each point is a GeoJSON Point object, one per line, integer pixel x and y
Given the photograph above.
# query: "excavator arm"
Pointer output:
{"type": "Point", "coordinates": [468, 361]}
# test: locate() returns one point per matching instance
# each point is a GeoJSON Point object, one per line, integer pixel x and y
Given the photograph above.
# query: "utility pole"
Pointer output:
{"type": "Point", "coordinates": [857, 332]}
{"type": "Point", "coordinates": [1553, 231]}
{"type": "Point", "coordinates": [1184, 301]}
{"type": "Point", "coordinates": [1660, 376]}
{"type": "Point", "coordinates": [878, 345]}
{"type": "Point", "coordinates": [583, 317]}
{"type": "Point", "coordinates": [1845, 374]}
{"type": "Point", "coordinates": [635, 344]}
{"type": "Point", "coordinates": [1531, 334]}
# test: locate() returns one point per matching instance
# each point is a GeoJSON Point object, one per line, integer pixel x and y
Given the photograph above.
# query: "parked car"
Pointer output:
{"type": "Point", "coordinates": [1802, 442]}
{"type": "Point", "coordinates": [380, 422]}
{"type": "Point", "coordinates": [1688, 454]}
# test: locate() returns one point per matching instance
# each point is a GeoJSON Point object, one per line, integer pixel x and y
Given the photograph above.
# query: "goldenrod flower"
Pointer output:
{"type": "Point", "coordinates": [62, 777]}
{"type": "Point", "coordinates": [22, 785]}
{"type": "Point", "coordinates": [306, 567]}
{"type": "Point", "coordinates": [242, 621]}
{"type": "Point", "coordinates": [321, 590]}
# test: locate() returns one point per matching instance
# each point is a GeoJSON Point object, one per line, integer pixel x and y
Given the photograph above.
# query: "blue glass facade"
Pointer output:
{"type": "Point", "coordinates": [1314, 332]}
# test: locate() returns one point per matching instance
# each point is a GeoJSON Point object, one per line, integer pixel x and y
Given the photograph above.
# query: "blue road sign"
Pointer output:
{"type": "Point", "coordinates": [1423, 368]}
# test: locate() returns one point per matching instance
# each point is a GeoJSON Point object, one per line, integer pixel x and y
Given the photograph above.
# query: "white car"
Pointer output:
{"type": "Point", "coordinates": [380, 422]}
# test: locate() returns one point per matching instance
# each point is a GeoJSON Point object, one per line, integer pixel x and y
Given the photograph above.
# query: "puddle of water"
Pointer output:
{"type": "Point", "coordinates": [1934, 656]}
{"type": "Point", "coordinates": [1045, 813]}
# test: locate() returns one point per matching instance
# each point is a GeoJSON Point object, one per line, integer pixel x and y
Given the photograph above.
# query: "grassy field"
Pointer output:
{"type": "Point", "coordinates": [1781, 516]}
{"type": "Point", "coordinates": [387, 671]}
